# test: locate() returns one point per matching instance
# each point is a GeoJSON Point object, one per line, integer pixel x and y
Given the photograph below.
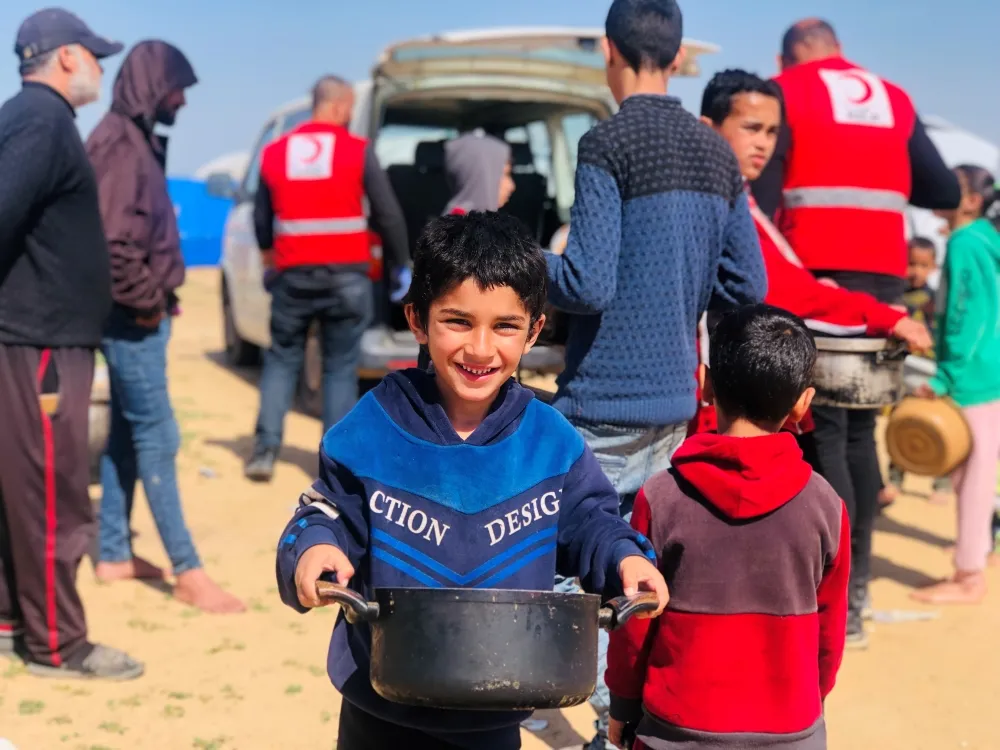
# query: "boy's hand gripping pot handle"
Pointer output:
{"type": "Point", "coordinates": [356, 607]}
{"type": "Point", "coordinates": [617, 611]}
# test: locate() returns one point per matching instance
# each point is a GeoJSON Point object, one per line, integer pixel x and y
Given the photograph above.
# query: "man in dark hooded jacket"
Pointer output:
{"type": "Point", "coordinates": [146, 269]}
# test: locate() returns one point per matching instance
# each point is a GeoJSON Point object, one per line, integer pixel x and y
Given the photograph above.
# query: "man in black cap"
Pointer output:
{"type": "Point", "coordinates": [55, 294]}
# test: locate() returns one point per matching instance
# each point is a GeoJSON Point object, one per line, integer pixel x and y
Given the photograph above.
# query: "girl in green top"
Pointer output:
{"type": "Point", "coordinates": [968, 370]}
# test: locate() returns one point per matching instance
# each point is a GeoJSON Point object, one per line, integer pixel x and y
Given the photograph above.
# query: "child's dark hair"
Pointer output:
{"type": "Point", "coordinates": [717, 101]}
{"type": "Point", "coordinates": [648, 33]}
{"type": "Point", "coordinates": [761, 360]}
{"type": "Point", "coordinates": [493, 248]}
{"type": "Point", "coordinates": [981, 182]}
{"type": "Point", "coordinates": [922, 243]}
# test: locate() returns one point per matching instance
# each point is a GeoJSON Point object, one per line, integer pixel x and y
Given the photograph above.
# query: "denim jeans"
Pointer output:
{"type": "Point", "coordinates": [629, 456]}
{"type": "Point", "coordinates": [142, 444]}
{"type": "Point", "coordinates": [341, 301]}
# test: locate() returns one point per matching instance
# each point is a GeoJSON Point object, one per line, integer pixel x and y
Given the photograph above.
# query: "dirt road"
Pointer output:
{"type": "Point", "coordinates": [257, 681]}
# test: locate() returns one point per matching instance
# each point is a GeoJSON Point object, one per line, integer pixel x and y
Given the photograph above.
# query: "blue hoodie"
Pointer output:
{"type": "Point", "coordinates": [413, 505]}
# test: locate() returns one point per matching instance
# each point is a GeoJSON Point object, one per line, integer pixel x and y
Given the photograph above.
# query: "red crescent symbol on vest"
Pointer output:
{"type": "Point", "coordinates": [317, 145]}
{"type": "Point", "coordinates": [866, 88]}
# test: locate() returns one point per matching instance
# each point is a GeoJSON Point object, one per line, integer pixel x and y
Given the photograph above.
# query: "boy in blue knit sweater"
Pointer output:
{"type": "Point", "coordinates": [660, 232]}
{"type": "Point", "coordinates": [456, 477]}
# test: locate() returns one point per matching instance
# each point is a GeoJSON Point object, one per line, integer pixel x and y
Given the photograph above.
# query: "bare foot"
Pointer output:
{"type": "Point", "coordinates": [964, 588]}
{"type": "Point", "coordinates": [939, 498]}
{"type": "Point", "coordinates": [888, 495]}
{"type": "Point", "coordinates": [136, 568]}
{"type": "Point", "coordinates": [194, 587]}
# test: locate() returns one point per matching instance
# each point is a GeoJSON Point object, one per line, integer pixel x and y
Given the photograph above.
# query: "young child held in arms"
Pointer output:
{"type": "Point", "coordinates": [419, 482]}
{"type": "Point", "coordinates": [755, 548]}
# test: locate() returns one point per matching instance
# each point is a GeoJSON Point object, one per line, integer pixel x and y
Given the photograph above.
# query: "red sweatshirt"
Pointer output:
{"type": "Point", "coordinates": [828, 311]}
{"type": "Point", "coordinates": [755, 548]}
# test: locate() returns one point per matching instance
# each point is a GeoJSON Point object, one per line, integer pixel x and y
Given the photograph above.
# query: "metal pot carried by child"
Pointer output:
{"type": "Point", "coordinates": [928, 437]}
{"type": "Point", "coordinates": [485, 649]}
{"type": "Point", "coordinates": [858, 373]}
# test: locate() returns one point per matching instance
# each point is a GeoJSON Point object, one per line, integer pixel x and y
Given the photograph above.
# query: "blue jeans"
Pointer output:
{"type": "Point", "coordinates": [628, 456]}
{"type": "Point", "coordinates": [341, 301]}
{"type": "Point", "coordinates": [142, 444]}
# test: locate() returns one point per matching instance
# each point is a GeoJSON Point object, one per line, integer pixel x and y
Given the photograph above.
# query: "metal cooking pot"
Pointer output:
{"type": "Point", "coordinates": [858, 373]}
{"type": "Point", "coordinates": [487, 649]}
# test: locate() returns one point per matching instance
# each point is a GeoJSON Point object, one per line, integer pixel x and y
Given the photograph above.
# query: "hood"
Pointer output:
{"type": "Point", "coordinates": [412, 400]}
{"type": "Point", "coordinates": [474, 164]}
{"type": "Point", "coordinates": [743, 478]}
{"type": "Point", "coordinates": [151, 70]}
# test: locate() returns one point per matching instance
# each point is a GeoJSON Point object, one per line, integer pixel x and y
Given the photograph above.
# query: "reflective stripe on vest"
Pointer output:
{"type": "Point", "coordinates": [845, 197]}
{"type": "Point", "coordinates": [312, 227]}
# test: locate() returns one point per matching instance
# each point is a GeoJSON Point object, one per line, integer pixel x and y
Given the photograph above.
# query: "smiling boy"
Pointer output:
{"type": "Point", "coordinates": [456, 477]}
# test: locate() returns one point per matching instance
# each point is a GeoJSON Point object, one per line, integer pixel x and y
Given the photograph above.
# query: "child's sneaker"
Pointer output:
{"type": "Point", "coordinates": [859, 604]}
{"type": "Point", "coordinates": [857, 638]}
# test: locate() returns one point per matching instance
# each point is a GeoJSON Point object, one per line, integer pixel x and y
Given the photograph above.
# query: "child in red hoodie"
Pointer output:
{"type": "Point", "coordinates": [755, 549]}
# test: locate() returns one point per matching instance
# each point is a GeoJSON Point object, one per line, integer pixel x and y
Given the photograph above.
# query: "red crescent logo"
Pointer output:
{"type": "Point", "coordinates": [318, 149]}
{"type": "Point", "coordinates": [865, 87]}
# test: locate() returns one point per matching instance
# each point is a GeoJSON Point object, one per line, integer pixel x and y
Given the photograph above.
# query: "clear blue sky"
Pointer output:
{"type": "Point", "coordinates": [253, 55]}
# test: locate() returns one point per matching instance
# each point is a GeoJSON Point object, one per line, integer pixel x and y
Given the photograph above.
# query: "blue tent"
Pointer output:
{"type": "Point", "coordinates": [201, 219]}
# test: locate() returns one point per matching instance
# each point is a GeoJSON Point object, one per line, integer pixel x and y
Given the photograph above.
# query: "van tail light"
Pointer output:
{"type": "Point", "coordinates": [375, 252]}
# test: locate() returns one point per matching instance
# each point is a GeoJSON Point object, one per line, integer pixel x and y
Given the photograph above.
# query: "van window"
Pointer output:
{"type": "Point", "coordinates": [397, 144]}
{"type": "Point", "coordinates": [574, 126]}
{"type": "Point", "coordinates": [252, 177]}
{"type": "Point", "coordinates": [536, 136]}
{"type": "Point", "coordinates": [293, 119]}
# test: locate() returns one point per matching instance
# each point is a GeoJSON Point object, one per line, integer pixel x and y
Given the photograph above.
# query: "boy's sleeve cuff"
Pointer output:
{"type": "Point", "coordinates": [313, 536]}
{"type": "Point", "coordinates": [552, 260]}
{"type": "Point", "coordinates": [638, 546]}
{"type": "Point", "coordinates": [625, 710]}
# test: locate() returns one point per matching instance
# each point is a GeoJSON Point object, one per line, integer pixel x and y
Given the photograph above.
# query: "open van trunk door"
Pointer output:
{"type": "Point", "coordinates": [563, 54]}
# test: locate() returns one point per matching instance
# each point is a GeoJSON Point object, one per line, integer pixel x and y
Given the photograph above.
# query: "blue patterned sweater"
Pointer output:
{"type": "Point", "coordinates": [660, 232]}
{"type": "Point", "coordinates": [412, 505]}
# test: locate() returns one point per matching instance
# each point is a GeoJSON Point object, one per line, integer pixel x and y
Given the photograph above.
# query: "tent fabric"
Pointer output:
{"type": "Point", "coordinates": [201, 219]}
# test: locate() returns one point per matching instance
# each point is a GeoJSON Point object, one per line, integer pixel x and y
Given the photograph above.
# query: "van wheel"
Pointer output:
{"type": "Point", "coordinates": [239, 352]}
{"type": "Point", "coordinates": [310, 394]}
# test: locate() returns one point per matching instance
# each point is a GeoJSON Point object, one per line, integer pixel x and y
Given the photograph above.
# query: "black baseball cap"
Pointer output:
{"type": "Point", "coordinates": [52, 28]}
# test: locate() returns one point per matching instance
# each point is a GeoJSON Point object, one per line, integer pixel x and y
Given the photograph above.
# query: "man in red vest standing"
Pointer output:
{"type": "Point", "coordinates": [310, 223]}
{"type": "Point", "coordinates": [852, 154]}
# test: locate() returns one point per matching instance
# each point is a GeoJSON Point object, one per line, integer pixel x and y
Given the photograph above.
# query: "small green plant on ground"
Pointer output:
{"type": "Point", "coordinates": [30, 708]}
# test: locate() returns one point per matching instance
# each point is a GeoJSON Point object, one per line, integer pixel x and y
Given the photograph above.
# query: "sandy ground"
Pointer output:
{"type": "Point", "coordinates": [258, 680]}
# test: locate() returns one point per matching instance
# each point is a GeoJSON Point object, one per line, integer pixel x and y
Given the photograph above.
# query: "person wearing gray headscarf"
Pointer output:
{"type": "Point", "coordinates": [479, 172]}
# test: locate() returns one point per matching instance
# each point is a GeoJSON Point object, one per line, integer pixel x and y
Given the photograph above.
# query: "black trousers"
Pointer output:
{"type": "Point", "coordinates": [845, 456]}
{"type": "Point", "coordinates": [46, 519]}
{"type": "Point", "coordinates": [360, 730]}
{"type": "Point", "coordinates": [844, 440]}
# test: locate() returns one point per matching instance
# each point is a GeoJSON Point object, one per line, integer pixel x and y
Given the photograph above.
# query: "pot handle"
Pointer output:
{"type": "Point", "coordinates": [356, 607]}
{"type": "Point", "coordinates": [896, 350]}
{"type": "Point", "coordinates": [617, 611]}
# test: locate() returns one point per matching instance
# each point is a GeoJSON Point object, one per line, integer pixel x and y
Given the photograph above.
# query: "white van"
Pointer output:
{"type": "Point", "coordinates": [538, 89]}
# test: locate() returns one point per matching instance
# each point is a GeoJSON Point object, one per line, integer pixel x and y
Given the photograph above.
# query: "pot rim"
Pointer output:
{"type": "Point", "coordinates": [489, 596]}
{"type": "Point", "coordinates": [850, 345]}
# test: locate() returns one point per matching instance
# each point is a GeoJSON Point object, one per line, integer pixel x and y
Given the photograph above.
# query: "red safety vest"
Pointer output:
{"type": "Point", "coordinates": [847, 175]}
{"type": "Point", "coordinates": [316, 177]}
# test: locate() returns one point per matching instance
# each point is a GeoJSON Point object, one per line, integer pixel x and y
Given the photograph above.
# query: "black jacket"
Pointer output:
{"type": "Point", "coordinates": [55, 283]}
